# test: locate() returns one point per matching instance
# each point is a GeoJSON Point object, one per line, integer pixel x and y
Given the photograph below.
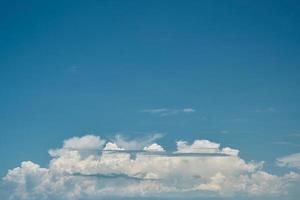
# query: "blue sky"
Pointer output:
{"type": "Point", "coordinates": [71, 68]}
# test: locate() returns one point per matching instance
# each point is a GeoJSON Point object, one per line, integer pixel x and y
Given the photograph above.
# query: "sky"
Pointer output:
{"type": "Point", "coordinates": [135, 73]}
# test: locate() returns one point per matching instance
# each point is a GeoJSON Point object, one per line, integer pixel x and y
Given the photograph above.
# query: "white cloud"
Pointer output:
{"type": "Point", "coordinates": [136, 143]}
{"type": "Point", "coordinates": [230, 151]}
{"type": "Point", "coordinates": [112, 146]}
{"type": "Point", "coordinates": [72, 174]}
{"type": "Point", "coordinates": [188, 110]}
{"type": "Point", "coordinates": [292, 160]}
{"type": "Point", "coordinates": [157, 110]}
{"type": "Point", "coordinates": [166, 112]}
{"type": "Point", "coordinates": [199, 146]}
{"type": "Point", "coordinates": [85, 142]}
{"type": "Point", "coordinates": [154, 147]}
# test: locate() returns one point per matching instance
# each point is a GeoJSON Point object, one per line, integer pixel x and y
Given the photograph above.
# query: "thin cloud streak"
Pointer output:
{"type": "Point", "coordinates": [167, 112]}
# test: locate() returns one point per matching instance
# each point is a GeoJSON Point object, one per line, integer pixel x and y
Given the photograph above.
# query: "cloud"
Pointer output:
{"type": "Point", "coordinates": [85, 142]}
{"type": "Point", "coordinates": [286, 143]}
{"type": "Point", "coordinates": [112, 146]}
{"type": "Point", "coordinates": [188, 110]}
{"type": "Point", "coordinates": [292, 161]}
{"type": "Point", "coordinates": [136, 143]}
{"type": "Point", "coordinates": [166, 112]}
{"type": "Point", "coordinates": [265, 110]}
{"type": "Point", "coordinates": [154, 147]}
{"type": "Point", "coordinates": [74, 173]}
{"type": "Point", "coordinates": [198, 146]}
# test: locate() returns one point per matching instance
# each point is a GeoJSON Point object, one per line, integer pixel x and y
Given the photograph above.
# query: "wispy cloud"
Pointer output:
{"type": "Point", "coordinates": [294, 135]}
{"type": "Point", "coordinates": [266, 110]}
{"type": "Point", "coordinates": [292, 160]}
{"type": "Point", "coordinates": [74, 69]}
{"type": "Point", "coordinates": [224, 131]}
{"type": "Point", "coordinates": [167, 112]}
{"type": "Point", "coordinates": [285, 143]}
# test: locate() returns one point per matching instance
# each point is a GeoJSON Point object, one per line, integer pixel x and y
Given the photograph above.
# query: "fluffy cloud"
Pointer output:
{"type": "Point", "coordinates": [112, 146]}
{"type": "Point", "coordinates": [198, 146]}
{"type": "Point", "coordinates": [74, 173]}
{"type": "Point", "coordinates": [292, 160]}
{"type": "Point", "coordinates": [85, 142]}
{"type": "Point", "coordinates": [154, 147]}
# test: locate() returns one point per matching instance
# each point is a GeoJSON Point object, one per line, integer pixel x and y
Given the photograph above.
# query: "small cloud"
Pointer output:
{"type": "Point", "coordinates": [295, 133]}
{"type": "Point", "coordinates": [240, 120]}
{"type": "Point", "coordinates": [156, 111]}
{"type": "Point", "coordinates": [292, 161]}
{"type": "Point", "coordinates": [284, 143]}
{"type": "Point", "coordinates": [224, 131]}
{"type": "Point", "coordinates": [266, 110]}
{"type": "Point", "coordinates": [271, 109]}
{"type": "Point", "coordinates": [188, 110]}
{"type": "Point", "coordinates": [154, 147]}
{"type": "Point", "coordinates": [74, 68]}
{"type": "Point", "coordinates": [167, 112]}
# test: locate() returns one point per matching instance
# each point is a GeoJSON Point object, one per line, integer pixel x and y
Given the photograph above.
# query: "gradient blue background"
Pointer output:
{"type": "Point", "coordinates": [70, 68]}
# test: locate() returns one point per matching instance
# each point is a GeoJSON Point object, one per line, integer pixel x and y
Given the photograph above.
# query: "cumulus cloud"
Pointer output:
{"type": "Point", "coordinates": [198, 146]}
{"type": "Point", "coordinates": [292, 160]}
{"type": "Point", "coordinates": [72, 174]}
{"type": "Point", "coordinates": [166, 111]}
{"type": "Point", "coordinates": [136, 143]}
{"type": "Point", "coordinates": [154, 147]}
{"type": "Point", "coordinates": [85, 142]}
{"type": "Point", "coordinates": [112, 146]}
